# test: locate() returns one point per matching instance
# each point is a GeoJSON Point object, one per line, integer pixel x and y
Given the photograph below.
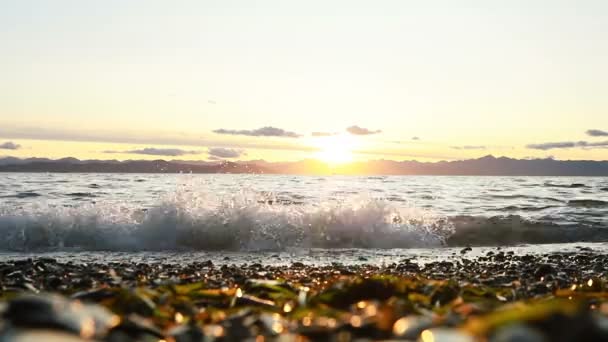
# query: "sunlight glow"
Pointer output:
{"type": "Point", "coordinates": [336, 149]}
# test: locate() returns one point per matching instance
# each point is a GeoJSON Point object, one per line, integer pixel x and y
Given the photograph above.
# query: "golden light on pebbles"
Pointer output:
{"type": "Point", "coordinates": [371, 310]}
{"type": "Point", "coordinates": [368, 308]}
{"type": "Point", "coordinates": [410, 327]}
{"type": "Point", "coordinates": [277, 327]}
{"type": "Point", "coordinates": [444, 334]}
{"type": "Point", "coordinates": [401, 326]}
{"type": "Point", "coordinates": [87, 328]}
{"type": "Point", "coordinates": [356, 321]}
{"type": "Point", "coordinates": [326, 322]}
{"type": "Point", "coordinates": [427, 336]}
{"type": "Point", "coordinates": [179, 318]}
{"type": "Point", "coordinates": [287, 307]}
{"type": "Point", "coordinates": [214, 330]}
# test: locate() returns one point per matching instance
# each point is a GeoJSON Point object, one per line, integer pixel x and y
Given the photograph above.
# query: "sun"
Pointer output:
{"type": "Point", "coordinates": [337, 149]}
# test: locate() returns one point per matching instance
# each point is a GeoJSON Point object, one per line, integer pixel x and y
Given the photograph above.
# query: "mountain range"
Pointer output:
{"type": "Point", "coordinates": [488, 165]}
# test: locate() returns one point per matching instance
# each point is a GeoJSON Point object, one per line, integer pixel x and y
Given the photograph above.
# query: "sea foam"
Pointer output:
{"type": "Point", "coordinates": [245, 221]}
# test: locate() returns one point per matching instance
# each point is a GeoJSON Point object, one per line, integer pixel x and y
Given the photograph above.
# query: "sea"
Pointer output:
{"type": "Point", "coordinates": [282, 219]}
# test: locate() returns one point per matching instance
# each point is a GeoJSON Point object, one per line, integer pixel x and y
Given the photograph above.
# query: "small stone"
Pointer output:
{"type": "Point", "coordinates": [465, 250]}
{"type": "Point", "coordinates": [543, 269]}
{"type": "Point", "coordinates": [518, 333]}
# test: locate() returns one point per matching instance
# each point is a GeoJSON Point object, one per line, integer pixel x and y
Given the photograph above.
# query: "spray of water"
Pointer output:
{"type": "Point", "coordinates": [245, 221]}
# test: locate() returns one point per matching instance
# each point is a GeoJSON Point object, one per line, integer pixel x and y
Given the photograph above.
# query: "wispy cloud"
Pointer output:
{"type": "Point", "coordinates": [143, 138]}
{"type": "Point", "coordinates": [267, 131]}
{"type": "Point", "coordinates": [356, 130]}
{"type": "Point", "coordinates": [220, 152]}
{"type": "Point", "coordinates": [469, 147]}
{"type": "Point", "coordinates": [568, 144]}
{"type": "Point", "coordinates": [323, 134]}
{"type": "Point", "coordinates": [597, 133]}
{"type": "Point", "coordinates": [9, 145]}
{"type": "Point", "coordinates": [153, 151]}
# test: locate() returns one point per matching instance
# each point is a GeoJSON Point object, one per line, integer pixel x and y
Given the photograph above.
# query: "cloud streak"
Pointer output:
{"type": "Point", "coordinates": [228, 153]}
{"type": "Point", "coordinates": [597, 133]}
{"type": "Point", "coordinates": [9, 145]}
{"type": "Point", "coordinates": [469, 147]}
{"type": "Point", "coordinates": [356, 130]}
{"type": "Point", "coordinates": [142, 138]}
{"type": "Point", "coordinates": [568, 144]}
{"type": "Point", "coordinates": [153, 151]}
{"type": "Point", "coordinates": [267, 131]}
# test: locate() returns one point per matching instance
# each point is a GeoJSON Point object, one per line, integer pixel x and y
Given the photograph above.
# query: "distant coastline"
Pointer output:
{"type": "Point", "coordinates": [485, 166]}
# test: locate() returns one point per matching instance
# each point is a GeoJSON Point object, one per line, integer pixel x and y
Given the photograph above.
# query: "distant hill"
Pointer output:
{"type": "Point", "coordinates": [488, 165]}
{"type": "Point", "coordinates": [130, 166]}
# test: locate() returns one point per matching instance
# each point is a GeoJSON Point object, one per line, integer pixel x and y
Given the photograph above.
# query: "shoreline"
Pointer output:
{"type": "Point", "coordinates": [495, 295]}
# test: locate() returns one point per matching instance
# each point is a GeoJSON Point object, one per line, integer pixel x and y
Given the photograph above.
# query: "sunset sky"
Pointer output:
{"type": "Point", "coordinates": [288, 80]}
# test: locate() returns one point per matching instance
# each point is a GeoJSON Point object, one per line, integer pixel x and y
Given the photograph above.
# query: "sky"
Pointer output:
{"type": "Point", "coordinates": [288, 80]}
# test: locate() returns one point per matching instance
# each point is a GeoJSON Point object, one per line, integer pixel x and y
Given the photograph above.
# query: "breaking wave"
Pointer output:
{"type": "Point", "coordinates": [205, 222]}
{"type": "Point", "coordinates": [254, 221]}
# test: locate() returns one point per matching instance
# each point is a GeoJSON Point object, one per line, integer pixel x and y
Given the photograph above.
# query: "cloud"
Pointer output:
{"type": "Point", "coordinates": [469, 147]}
{"type": "Point", "coordinates": [152, 151]}
{"type": "Point", "coordinates": [553, 145]}
{"type": "Point", "coordinates": [597, 133]}
{"type": "Point", "coordinates": [323, 134]}
{"type": "Point", "coordinates": [168, 138]}
{"type": "Point", "coordinates": [267, 131]}
{"type": "Point", "coordinates": [219, 152]}
{"type": "Point", "coordinates": [568, 144]}
{"type": "Point", "coordinates": [356, 130]}
{"type": "Point", "coordinates": [9, 145]}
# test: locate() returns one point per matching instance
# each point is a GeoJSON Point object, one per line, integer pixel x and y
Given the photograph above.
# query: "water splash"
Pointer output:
{"type": "Point", "coordinates": [245, 221]}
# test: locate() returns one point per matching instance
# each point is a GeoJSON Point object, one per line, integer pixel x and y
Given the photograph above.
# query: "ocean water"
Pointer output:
{"type": "Point", "coordinates": [279, 219]}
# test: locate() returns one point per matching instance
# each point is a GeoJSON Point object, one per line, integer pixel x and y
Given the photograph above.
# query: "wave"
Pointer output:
{"type": "Point", "coordinates": [81, 194]}
{"type": "Point", "coordinates": [589, 203]}
{"type": "Point", "coordinates": [526, 197]}
{"type": "Point", "coordinates": [206, 222]}
{"type": "Point", "coordinates": [514, 229]}
{"type": "Point", "coordinates": [527, 208]}
{"type": "Point", "coordinates": [250, 221]}
{"type": "Point", "coordinates": [26, 194]}
{"type": "Point", "coordinates": [567, 186]}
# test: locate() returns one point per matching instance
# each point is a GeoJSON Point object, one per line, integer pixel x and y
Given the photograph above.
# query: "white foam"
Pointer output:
{"type": "Point", "coordinates": [244, 221]}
